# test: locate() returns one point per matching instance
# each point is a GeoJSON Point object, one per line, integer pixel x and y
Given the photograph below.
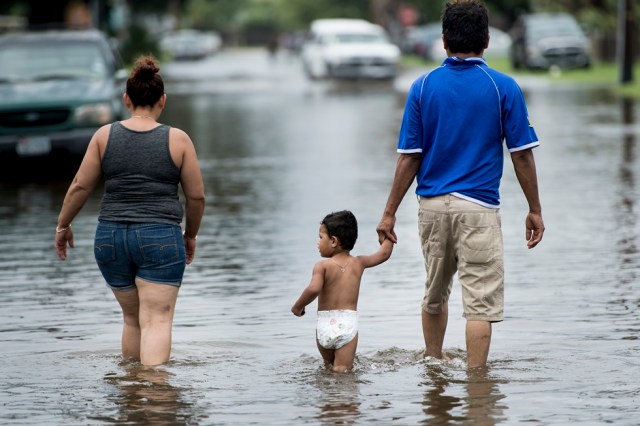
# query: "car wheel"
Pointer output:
{"type": "Point", "coordinates": [515, 63]}
{"type": "Point", "coordinates": [308, 71]}
{"type": "Point", "coordinates": [328, 70]}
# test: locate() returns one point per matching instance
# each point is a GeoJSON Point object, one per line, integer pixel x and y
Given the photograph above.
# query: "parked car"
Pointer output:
{"type": "Point", "coordinates": [191, 44]}
{"type": "Point", "coordinates": [543, 40]}
{"type": "Point", "coordinates": [420, 40]}
{"type": "Point", "coordinates": [56, 89]}
{"type": "Point", "coordinates": [499, 46]}
{"type": "Point", "coordinates": [349, 48]}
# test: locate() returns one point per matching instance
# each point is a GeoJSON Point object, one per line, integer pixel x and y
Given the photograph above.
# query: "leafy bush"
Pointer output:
{"type": "Point", "coordinates": [139, 43]}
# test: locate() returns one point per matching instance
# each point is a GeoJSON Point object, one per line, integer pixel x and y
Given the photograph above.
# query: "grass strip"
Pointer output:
{"type": "Point", "coordinates": [600, 74]}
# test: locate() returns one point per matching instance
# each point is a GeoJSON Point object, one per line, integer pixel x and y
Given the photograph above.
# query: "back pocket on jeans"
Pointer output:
{"type": "Point", "coordinates": [104, 248]}
{"type": "Point", "coordinates": [158, 244]}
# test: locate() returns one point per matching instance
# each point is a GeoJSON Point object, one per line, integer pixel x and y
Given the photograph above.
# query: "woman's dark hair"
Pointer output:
{"type": "Point", "coordinates": [344, 226]}
{"type": "Point", "coordinates": [145, 86]}
{"type": "Point", "coordinates": [465, 26]}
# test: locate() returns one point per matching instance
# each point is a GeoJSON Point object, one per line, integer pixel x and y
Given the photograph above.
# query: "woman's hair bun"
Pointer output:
{"type": "Point", "coordinates": [145, 85]}
{"type": "Point", "coordinates": [145, 68]}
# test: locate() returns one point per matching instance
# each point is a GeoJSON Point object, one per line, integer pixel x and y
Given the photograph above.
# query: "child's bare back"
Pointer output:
{"type": "Point", "coordinates": [342, 277]}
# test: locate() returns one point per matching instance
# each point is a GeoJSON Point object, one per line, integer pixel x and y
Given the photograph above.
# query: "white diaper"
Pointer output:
{"type": "Point", "coordinates": [336, 328]}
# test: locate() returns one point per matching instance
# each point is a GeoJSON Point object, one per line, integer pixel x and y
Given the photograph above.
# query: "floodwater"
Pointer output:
{"type": "Point", "coordinates": [278, 153]}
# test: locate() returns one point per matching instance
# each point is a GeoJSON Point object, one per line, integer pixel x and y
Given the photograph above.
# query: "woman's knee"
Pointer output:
{"type": "Point", "coordinates": [131, 319]}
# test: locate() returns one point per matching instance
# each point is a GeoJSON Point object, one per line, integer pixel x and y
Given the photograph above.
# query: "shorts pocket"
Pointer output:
{"type": "Point", "coordinates": [158, 244]}
{"type": "Point", "coordinates": [479, 244]}
{"type": "Point", "coordinates": [104, 247]}
{"type": "Point", "coordinates": [431, 234]}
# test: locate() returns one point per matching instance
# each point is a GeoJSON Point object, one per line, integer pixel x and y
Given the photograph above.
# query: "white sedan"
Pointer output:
{"type": "Point", "coordinates": [349, 48]}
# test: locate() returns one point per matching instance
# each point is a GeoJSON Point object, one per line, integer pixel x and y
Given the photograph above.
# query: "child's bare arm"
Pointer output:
{"type": "Point", "coordinates": [312, 291]}
{"type": "Point", "coordinates": [382, 255]}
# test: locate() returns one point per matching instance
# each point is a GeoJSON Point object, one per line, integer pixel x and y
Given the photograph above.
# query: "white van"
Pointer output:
{"type": "Point", "coordinates": [349, 48]}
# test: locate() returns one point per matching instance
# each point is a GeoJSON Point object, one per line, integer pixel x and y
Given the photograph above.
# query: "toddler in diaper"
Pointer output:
{"type": "Point", "coordinates": [336, 328]}
{"type": "Point", "coordinates": [335, 281]}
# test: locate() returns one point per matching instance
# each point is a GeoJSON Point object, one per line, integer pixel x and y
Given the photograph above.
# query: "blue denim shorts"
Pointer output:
{"type": "Point", "coordinates": [150, 251]}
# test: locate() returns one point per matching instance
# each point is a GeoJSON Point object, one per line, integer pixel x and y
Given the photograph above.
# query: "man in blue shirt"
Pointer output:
{"type": "Point", "coordinates": [451, 141]}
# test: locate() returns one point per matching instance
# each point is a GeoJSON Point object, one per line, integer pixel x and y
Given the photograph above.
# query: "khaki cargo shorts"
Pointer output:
{"type": "Point", "coordinates": [463, 237]}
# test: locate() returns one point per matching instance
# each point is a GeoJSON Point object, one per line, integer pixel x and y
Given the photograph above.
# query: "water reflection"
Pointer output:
{"type": "Point", "coordinates": [146, 396]}
{"type": "Point", "coordinates": [29, 199]}
{"type": "Point", "coordinates": [339, 399]}
{"type": "Point", "coordinates": [626, 213]}
{"type": "Point", "coordinates": [624, 306]}
{"type": "Point", "coordinates": [438, 406]}
{"type": "Point", "coordinates": [478, 405]}
{"type": "Point", "coordinates": [483, 406]}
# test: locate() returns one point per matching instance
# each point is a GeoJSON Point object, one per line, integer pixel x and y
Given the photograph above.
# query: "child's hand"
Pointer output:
{"type": "Point", "coordinates": [297, 311]}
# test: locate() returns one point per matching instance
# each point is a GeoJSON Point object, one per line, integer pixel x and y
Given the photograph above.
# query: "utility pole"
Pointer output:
{"type": "Point", "coordinates": [626, 38]}
{"type": "Point", "coordinates": [385, 13]}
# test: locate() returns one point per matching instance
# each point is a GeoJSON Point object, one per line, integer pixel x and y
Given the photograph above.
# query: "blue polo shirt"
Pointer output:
{"type": "Point", "coordinates": [457, 116]}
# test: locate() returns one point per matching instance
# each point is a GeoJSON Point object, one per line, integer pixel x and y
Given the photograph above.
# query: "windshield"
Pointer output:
{"type": "Point", "coordinates": [44, 61]}
{"type": "Point", "coordinates": [552, 27]}
{"type": "Point", "coordinates": [360, 38]}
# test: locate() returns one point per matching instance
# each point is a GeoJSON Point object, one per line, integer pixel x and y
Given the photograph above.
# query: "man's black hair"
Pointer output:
{"type": "Point", "coordinates": [465, 26]}
{"type": "Point", "coordinates": [344, 226]}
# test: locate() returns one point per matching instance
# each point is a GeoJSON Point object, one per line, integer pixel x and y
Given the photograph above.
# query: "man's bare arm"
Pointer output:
{"type": "Point", "coordinates": [406, 170]}
{"type": "Point", "coordinates": [525, 168]}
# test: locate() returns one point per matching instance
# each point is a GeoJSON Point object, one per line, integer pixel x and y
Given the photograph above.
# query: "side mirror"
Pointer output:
{"type": "Point", "coordinates": [121, 74]}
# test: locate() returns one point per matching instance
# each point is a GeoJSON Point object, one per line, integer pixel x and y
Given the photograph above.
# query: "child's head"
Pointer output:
{"type": "Point", "coordinates": [343, 226]}
{"type": "Point", "coordinates": [465, 26]}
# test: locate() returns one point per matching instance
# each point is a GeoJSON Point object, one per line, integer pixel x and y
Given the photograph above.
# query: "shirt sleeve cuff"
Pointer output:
{"type": "Point", "coordinates": [410, 151]}
{"type": "Point", "coordinates": [523, 147]}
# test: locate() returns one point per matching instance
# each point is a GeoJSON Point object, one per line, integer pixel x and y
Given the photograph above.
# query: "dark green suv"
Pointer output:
{"type": "Point", "coordinates": [56, 89]}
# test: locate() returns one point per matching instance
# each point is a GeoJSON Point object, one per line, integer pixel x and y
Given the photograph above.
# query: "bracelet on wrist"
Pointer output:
{"type": "Point", "coordinates": [59, 230]}
{"type": "Point", "coordinates": [184, 234]}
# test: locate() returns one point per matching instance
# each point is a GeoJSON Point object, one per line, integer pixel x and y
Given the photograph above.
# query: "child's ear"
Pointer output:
{"type": "Point", "coordinates": [335, 242]}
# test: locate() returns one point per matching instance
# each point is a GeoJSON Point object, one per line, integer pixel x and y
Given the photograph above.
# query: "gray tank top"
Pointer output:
{"type": "Point", "coordinates": [141, 179]}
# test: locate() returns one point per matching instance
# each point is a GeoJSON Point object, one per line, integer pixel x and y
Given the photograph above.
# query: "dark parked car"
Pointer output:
{"type": "Point", "coordinates": [544, 40]}
{"type": "Point", "coordinates": [56, 89]}
{"type": "Point", "coordinates": [419, 40]}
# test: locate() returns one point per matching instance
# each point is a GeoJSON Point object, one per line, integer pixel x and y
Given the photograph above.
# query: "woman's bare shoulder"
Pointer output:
{"type": "Point", "coordinates": [101, 136]}
{"type": "Point", "coordinates": [178, 134]}
{"type": "Point", "coordinates": [104, 130]}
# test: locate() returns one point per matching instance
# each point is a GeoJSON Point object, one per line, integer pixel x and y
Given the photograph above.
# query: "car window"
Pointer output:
{"type": "Point", "coordinates": [359, 38]}
{"type": "Point", "coordinates": [539, 28]}
{"type": "Point", "coordinates": [44, 61]}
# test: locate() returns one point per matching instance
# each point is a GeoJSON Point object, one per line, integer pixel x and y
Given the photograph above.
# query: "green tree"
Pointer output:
{"type": "Point", "coordinates": [218, 15]}
{"type": "Point", "coordinates": [297, 14]}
